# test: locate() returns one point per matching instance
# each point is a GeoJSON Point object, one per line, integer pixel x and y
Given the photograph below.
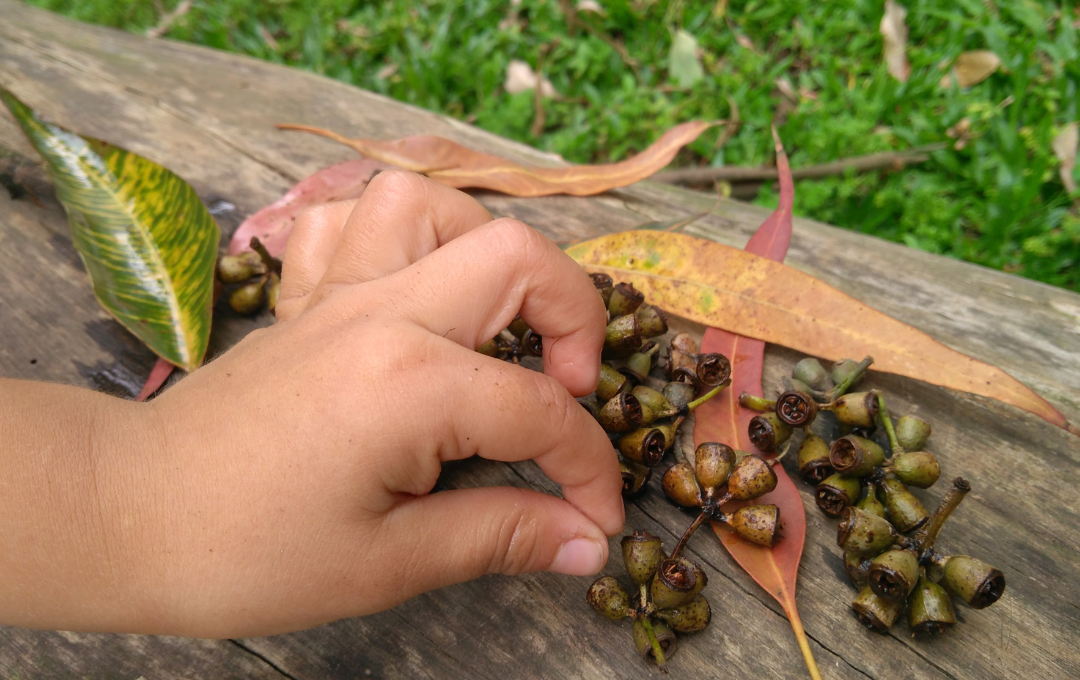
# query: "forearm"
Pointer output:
{"type": "Point", "coordinates": [70, 480]}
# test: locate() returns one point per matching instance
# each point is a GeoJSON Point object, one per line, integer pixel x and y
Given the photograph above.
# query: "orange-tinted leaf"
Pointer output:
{"type": "Point", "coordinates": [460, 167]}
{"type": "Point", "coordinates": [750, 295]}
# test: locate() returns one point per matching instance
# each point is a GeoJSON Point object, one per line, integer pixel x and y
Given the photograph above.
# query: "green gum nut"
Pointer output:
{"type": "Point", "coordinates": [625, 299]}
{"type": "Point", "coordinates": [864, 534]}
{"type": "Point", "coordinates": [836, 492]}
{"type": "Point", "coordinates": [930, 609]}
{"type": "Point", "coordinates": [681, 487]}
{"type": "Point", "coordinates": [611, 383]}
{"type": "Point", "coordinates": [642, 554]}
{"type": "Point", "coordinates": [712, 369]}
{"type": "Point", "coordinates": [810, 372]}
{"type": "Point", "coordinates": [273, 291]}
{"type": "Point", "coordinates": [669, 430]}
{"type": "Point", "coordinates": [653, 320]}
{"type": "Point", "coordinates": [893, 574]}
{"type": "Point", "coordinates": [902, 508]}
{"type": "Point", "coordinates": [518, 327]}
{"type": "Point", "coordinates": [652, 400]}
{"type": "Point", "coordinates": [797, 409]}
{"type": "Point", "coordinates": [608, 598]}
{"type": "Point", "coordinates": [621, 413]}
{"type": "Point", "coordinates": [916, 468]}
{"type": "Point", "coordinates": [591, 404]}
{"type": "Point", "coordinates": [623, 336]}
{"type": "Point", "coordinates": [870, 503]}
{"type": "Point", "coordinates": [842, 369]}
{"type": "Point", "coordinates": [758, 524]}
{"type": "Point", "coordinates": [238, 268]}
{"type": "Point", "coordinates": [489, 348]}
{"type": "Point", "coordinates": [604, 285]}
{"type": "Point", "coordinates": [814, 465]}
{"type": "Point", "coordinates": [767, 431]}
{"type": "Point", "coordinates": [678, 394]}
{"type": "Point", "coordinates": [634, 478]}
{"type": "Point", "coordinates": [637, 366]}
{"type": "Point", "coordinates": [713, 463]}
{"type": "Point", "coordinates": [664, 635]}
{"type": "Point", "coordinates": [855, 456]}
{"type": "Point", "coordinates": [688, 618]}
{"type": "Point", "coordinates": [912, 432]}
{"type": "Point", "coordinates": [975, 582]}
{"type": "Point", "coordinates": [676, 582]}
{"type": "Point", "coordinates": [876, 613]}
{"type": "Point", "coordinates": [856, 567]}
{"type": "Point", "coordinates": [247, 299]}
{"type": "Point", "coordinates": [751, 478]}
{"type": "Point", "coordinates": [645, 445]}
{"type": "Point", "coordinates": [856, 408]}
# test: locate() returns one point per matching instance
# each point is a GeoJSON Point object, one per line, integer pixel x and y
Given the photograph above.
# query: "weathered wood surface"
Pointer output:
{"type": "Point", "coordinates": [209, 116]}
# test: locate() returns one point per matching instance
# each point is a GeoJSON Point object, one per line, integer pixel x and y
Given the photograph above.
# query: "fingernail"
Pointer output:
{"type": "Point", "coordinates": [579, 557]}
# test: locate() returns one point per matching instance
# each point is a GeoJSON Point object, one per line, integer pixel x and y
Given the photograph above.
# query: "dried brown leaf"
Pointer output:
{"type": "Point", "coordinates": [894, 33]}
{"type": "Point", "coordinates": [1065, 146]}
{"type": "Point", "coordinates": [971, 68]}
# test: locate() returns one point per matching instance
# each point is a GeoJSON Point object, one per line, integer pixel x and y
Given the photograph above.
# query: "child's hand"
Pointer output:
{"type": "Point", "coordinates": [289, 484]}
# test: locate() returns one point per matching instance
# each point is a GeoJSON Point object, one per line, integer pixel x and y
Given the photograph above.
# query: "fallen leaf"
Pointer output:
{"type": "Point", "coordinates": [753, 296]}
{"type": "Point", "coordinates": [1064, 146]}
{"type": "Point", "coordinates": [459, 166]}
{"type": "Point", "coordinates": [521, 78]}
{"type": "Point", "coordinates": [894, 34]}
{"type": "Point", "coordinates": [684, 63]}
{"type": "Point", "coordinates": [590, 6]}
{"type": "Point", "coordinates": [147, 241]}
{"type": "Point", "coordinates": [971, 68]}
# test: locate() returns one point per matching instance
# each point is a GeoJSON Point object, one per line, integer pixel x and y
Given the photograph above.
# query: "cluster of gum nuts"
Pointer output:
{"type": "Point", "coordinates": [885, 532]}
{"type": "Point", "coordinates": [253, 277]}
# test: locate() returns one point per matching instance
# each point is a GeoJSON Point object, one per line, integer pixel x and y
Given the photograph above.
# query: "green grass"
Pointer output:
{"type": "Point", "coordinates": [997, 201]}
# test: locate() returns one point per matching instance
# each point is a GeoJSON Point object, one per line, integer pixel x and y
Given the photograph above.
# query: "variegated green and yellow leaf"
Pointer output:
{"type": "Point", "coordinates": [146, 239]}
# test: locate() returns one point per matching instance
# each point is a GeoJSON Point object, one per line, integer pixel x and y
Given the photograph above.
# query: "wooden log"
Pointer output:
{"type": "Point", "coordinates": [209, 116]}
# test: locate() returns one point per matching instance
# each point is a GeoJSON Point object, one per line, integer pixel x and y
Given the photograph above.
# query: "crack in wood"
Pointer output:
{"type": "Point", "coordinates": [260, 657]}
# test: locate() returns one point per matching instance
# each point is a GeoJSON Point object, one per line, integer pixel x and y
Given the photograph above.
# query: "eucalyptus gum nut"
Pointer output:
{"type": "Point", "coordinates": [634, 478]}
{"type": "Point", "coordinates": [589, 403]}
{"type": "Point", "coordinates": [912, 432]}
{"type": "Point", "coordinates": [857, 567]}
{"type": "Point", "coordinates": [653, 320]}
{"type": "Point", "coordinates": [638, 366]}
{"type": "Point", "coordinates": [902, 508]}
{"type": "Point", "coordinates": [713, 463]}
{"type": "Point", "coordinates": [856, 408]}
{"type": "Point", "coordinates": [975, 582]}
{"type": "Point", "coordinates": [797, 409]}
{"type": "Point", "coordinates": [751, 478]}
{"type": "Point", "coordinates": [532, 343]}
{"type": "Point", "coordinates": [248, 299]}
{"type": "Point", "coordinates": [652, 399]}
{"type": "Point", "coordinates": [677, 581]}
{"type": "Point", "coordinates": [799, 385]}
{"type": "Point", "coordinates": [623, 335]}
{"type": "Point", "coordinates": [681, 486]}
{"type": "Point", "coordinates": [893, 574]}
{"type": "Point", "coordinates": [240, 268]}
{"type": "Point", "coordinates": [490, 348]}
{"type": "Point", "coordinates": [767, 431]}
{"type": "Point", "coordinates": [758, 524]}
{"type": "Point", "coordinates": [691, 617]}
{"type": "Point", "coordinates": [864, 534]}
{"type": "Point", "coordinates": [855, 456]}
{"type": "Point", "coordinates": [916, 468]}
{"type": "Point", "coordinates": [611, 383]}
{"type": "Point", "coordinates": [876, 613]}
{"type": "Point", "coordinates": [518, 328]}
{"type": "Point", "coordinates": [621, 413]}
{"type": "Point", "coordinates": [837, 492]}
{"type": "Point", "coordinates": [685, 374]}
{"type": "Point", "coordinates": [810, 372]}
{"type": "Point", "coordinates": [870, 503]}
{"type": "Point", "coordinates": [604, 285]}
{"type": "Point", "coordinates": [930, 609]}
{"type": "Point", "coordinates": [685, 343]}
{"type": "Point", "coordinates": [273, 291]}
{"type": "Point", "coordinates": [712, 369]}
{"type": "Point", "coordinates": [645, 445]}
{"type": "Point", "coordinates": [669, 430]}
{"type": "Point", "coordinates": [664, 635]}
{"type": "Point", "coordinates": [678, 394]}
{"type": "Point", "coordinates": [642, 553]}
{"type": "Point", "coordinates": [814, 465]}
{"type": "Point", "coordinates": [841, 369]}
{"type": "Point", "coordinates": [625, 299]}
{"type": "Point", "coordinates": [609, 599]}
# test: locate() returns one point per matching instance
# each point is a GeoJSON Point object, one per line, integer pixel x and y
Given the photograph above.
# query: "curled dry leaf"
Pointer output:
{"type": "Point", "coordinates": [894, 33]}
{"type": "Point", "coordinates": [590, 6]}
{"type": "Point", "coordinates": [684, 64]}
{"type": "Point", "coordinates": [1064, 146]}
{"type": "Point", "coordinates": [521, 78]}
{"type": "Point", "coordinates": [460, 167]}
{"type": "Point", "coordinates": [971, 68]}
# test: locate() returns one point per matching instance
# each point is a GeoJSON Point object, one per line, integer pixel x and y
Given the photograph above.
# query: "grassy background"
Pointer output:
{"type": "Point", "coordinates": [997, 201]}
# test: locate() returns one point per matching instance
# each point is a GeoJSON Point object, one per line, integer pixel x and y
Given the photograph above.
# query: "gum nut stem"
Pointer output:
{"type": "Point", "coordinates": [912, 432]}
{"type": "Point", "coordinates": [604, 285]}
{"type": "Point", "coordinates": [681, 486]}
{"type": "Point", "coordinates": [609, 599]}
{"type": "Point", "coordinates": [637, 366]}
{"type": "Point", "coordinates": [642, 553]}
{"type": "Point", "coordinates": [685, 343]}
{"type": "Point", "coordinates": [810, 372]}
{"type": "Point", "coordinates": [857, 567]}
{"type": "Point", "coordinates": [621, 413]}
{"type": "Point", "coordinates": [489, 348]}
{"type": "Point", "coordinates": [797, 409]}
{"type": "Point", "coordinates": [713, 463]}
{"type": "Point", "coordinates": [930, 609]}
{"type": "Point", "coordinates": [903, 509]}
{"type": "Point", "coordinates": [678, 394]}
{"type": "Point", "coordinates": [590, 403]}
{"type": "Point", "coordinates": [273, 291]}
{"type": "Point", "coordinates": [611, 383]}
{"type": "Point", "coordinates": [634, 478]}
{"type": "Point", "coordinates": [855, 408]}
{"type": "Point", "coordinates": [870, 502]}
{"type": "Point", "coordinates": [916, 468]}
{"type": "Point", "coordinates": [664, 635]}
{"type": "Point", "coordinates": [894, 573]}
{"type": "Point", "coordinates": [623, 336]}
{"type": "Point", "coordinates": [864, 534]}
{"type": "Point", "coordinates": [855, 456]}
{"type": "Point", "coordinates": [248, 299]}
{"type": "Point", "coordinates": [677, 581]}
{"type": "Point", "coordinates": [645, 445]}
{"type": "Point", "coordinates": [751, 478]}
{"type": "Point", "coordinates": [837, 492]}
{"type": "Point", "coordinates": [532, 343]}
{"type": "Point", "coordinates": [239, 268]}
{"type": "Point", "coordinates": [767, 431]}
{"type": "Point", "coordinates": [758, 524]}
{"type": "Point", "coordinates": [625, 299]}
{"type": "Point", "coordinates": [842, 369]}
{"type": "Point", "coordinates": [814, 465]}
{"type": "Point", "coordinates": [691, 617]}
{"type": "Point", "coordinates": [876, 613]}
{"type": "Point", "coordinates": [712, 369]}
{"type": "Point", "coordinates": [975, 582]}
{"type": "Point", "coordinates": [653, 320]}
{"type": "Point", "coordinates": [518, 327]}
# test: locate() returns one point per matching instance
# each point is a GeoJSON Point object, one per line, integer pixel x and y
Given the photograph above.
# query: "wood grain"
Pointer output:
{"type": "Point", "coordinates": [209, 117]}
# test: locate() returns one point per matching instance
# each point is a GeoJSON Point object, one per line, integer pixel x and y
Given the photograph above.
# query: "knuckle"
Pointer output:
{"type": "Point", "coordinates": [515, 542]}
{"type": "Point", "coordinates": [516, 239]}
{"type": "Point", "coordinates": [397, 183]}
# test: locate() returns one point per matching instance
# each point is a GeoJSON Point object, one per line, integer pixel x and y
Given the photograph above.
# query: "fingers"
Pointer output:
{"type": "Point", "coordinates": [471, 288]}
{"type": "Point", "coordinates": [308, 253]}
